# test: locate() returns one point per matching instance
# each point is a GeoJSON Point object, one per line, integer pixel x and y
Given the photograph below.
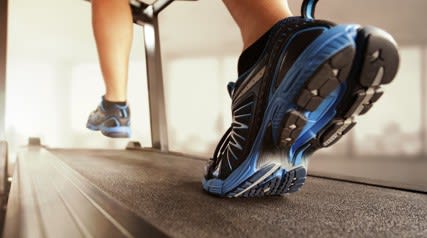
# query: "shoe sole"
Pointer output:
{"type": "Point", "coordinates": [344, 85]}
{"type": "Point", "coordinates": [378, 62]}
{"type": "Point", "coordinates": [112, 132]}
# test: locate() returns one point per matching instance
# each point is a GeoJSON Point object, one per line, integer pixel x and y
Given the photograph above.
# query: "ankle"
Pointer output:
{"type": "Point", "coordinates": [108, 104]}
{"type": "Point", "coordinates": [252, 53]}
{"type": "Point", "coordinates": [255, 18]}
{"type": "Point", "coordinates": [114, 98]}
{"type": "Point", "coordinates": [251, 33]}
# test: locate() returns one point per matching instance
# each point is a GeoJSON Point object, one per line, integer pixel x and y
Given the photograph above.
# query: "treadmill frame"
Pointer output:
{"type": "Point", "coordinates": [147, 16]}
{"type": "Point", "coordinates": [3, 64]}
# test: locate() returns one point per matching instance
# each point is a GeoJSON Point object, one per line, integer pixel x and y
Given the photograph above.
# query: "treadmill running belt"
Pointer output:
{"type": "Point", "coordinates": [166, 191]}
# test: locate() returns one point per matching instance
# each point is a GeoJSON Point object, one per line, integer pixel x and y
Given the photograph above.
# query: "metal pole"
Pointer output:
{"type": "Point", "coordinates": [351, 145]}
{"type": "Point", "coordinates": [3, 54]}
{"type": "Point", "coordinates": [148, 18]}
{"type": "Point", "coordinates": [423, 109]}
{"type": "Point", "coordinates": [159, 132]}
{"type": "Point", "coordinates": [159, 5]}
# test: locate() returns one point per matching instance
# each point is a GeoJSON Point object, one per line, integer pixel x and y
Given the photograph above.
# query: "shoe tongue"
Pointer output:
{"type": "Point", "coordinates": [248, 59]}
{"type": "Point", "coordinates": [251, 54]}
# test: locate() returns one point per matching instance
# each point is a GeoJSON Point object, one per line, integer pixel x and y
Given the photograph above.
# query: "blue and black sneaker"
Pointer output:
{"type": "Point", "coordinates": [112, 121]}
{"type": "Point", "coordinates": [304, 92]}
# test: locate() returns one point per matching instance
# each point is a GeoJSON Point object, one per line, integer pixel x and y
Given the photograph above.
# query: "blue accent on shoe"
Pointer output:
{"type": "Point", "coordinates": [282, 53]}
{"type": "Point", "coordinates": [308, 8]}
{"type": "Point", "coordinates": [117, 132]}
{"type": "Point", "coordinates": [310, 11]}
{"type": "Point", "coordinates": [326, 45]}
{"type": "Point", "coordinates": [317, 120]}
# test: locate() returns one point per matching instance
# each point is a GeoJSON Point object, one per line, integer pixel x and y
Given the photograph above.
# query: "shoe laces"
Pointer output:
{"type": "Point", "coordinates": [219, 150]}
{"type": "Point", "coordinates": [222, 145]}
{"type": "Point", "coordinates": [231, 86]}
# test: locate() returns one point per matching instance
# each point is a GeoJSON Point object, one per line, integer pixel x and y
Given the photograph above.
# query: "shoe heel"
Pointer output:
{"type": "Point", "coordinates": [380, 57]}
{"type": "Point", "coordinates": [117, 132]}
{"type": "Point", "coordinates": [376, 63]}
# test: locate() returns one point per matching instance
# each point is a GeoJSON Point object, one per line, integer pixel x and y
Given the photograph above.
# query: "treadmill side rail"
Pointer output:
{"type": "Point", "coordinates": [49, 199]}
{"type": "Point", "coordinates": [3, 64]}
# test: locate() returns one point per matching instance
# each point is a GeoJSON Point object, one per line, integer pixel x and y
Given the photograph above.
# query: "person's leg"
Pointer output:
{"type": "Point", "coordinates": [254, 18]}
{"type": "Point", "coordinates": [113, 29]}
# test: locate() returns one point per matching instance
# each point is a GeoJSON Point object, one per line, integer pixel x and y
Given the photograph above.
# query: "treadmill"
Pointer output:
{"type": "Point", "coordinates": [153, 192]}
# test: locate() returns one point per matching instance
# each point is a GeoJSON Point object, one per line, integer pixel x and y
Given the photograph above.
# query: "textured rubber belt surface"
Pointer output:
{"type": "Point", "coordinates": [49, 199]}
{"type": "Point", "coordinates": [165, 190]}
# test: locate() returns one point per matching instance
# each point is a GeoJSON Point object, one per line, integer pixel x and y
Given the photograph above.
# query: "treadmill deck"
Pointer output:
{"type": "Point", "coordinates": [165, 190]}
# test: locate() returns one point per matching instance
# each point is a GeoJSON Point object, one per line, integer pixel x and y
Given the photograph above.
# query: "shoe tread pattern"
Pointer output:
{"type": "Point", "coordinates": [324, 81]}
{"type": "Point", "coordinates": [376, 64]}
{"type": "Point", "coordinates": [274, 185]}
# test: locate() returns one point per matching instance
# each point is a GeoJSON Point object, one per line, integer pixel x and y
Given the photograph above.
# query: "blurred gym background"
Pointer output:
{"type": "Point", "coordinates": [54, 82]}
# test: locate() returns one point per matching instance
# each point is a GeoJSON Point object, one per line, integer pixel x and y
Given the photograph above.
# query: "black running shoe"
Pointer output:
{"type": "Point", "coordinates": [309, 84]}
{"type": "Point", "coordinates": [112, 122]}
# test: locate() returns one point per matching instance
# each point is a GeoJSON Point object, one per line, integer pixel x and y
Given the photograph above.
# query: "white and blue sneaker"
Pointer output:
{"type": "Point", "coordinates": [113, 121]}
{"type": "Point", "coordinates": [305, 91]}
